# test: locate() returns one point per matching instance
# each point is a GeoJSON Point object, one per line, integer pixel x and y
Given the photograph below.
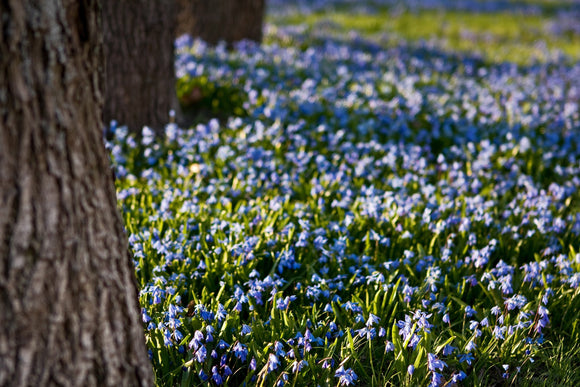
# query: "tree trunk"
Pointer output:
{"type": "Point", "coordinates": [69, 312]}
{"type": "Point", "coordinates": [227, 20]}
{"type": "Point", "coordinates": [140, 77]}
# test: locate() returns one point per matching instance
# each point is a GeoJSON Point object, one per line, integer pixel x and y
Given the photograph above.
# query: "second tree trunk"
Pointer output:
{"type": "Point", "coordinates": [140, 77]}
{"type": "Point", "coordinates": [217, 20]}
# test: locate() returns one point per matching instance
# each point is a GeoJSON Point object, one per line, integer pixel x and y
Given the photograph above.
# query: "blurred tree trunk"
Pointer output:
{"type": "Point", "coordinates": [140, 77]}
{"type": "Point", "coordinates": [227, 20]}
{"type": "Point", "coordinates": [69, 312]}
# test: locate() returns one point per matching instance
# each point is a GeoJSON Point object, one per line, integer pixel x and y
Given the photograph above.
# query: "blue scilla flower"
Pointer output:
{"type": "Point", "coordinates": [203, 376]}
{"type": "Point", "coordinates": [196, 341]}
{"type": "Point", "coordinates": [209, 333]}
{"type": "Point", "coordinates": [458, 377]}
{"type": "Point", "coordinates": [167, 338]}
{"type": "Point", "coordinates": [279, 349]}
{"type": "Point", "coordinates": [415, 340]}
{"type": "Point", "coordinates": [200, 354]}
{"type": "Point", "coordinates": [433, 363]}
{"type": "Point", "coordinates": [465, 357]}
{"type": "Point", "coordinates": [470, 346]}
{"type": "Point", "coordinates": [283, 304]}
{"type": "Point", "coordinates": [158, 295]}
{"type": "Point", "coordinates": [303, 239]}
{"type": "Point", "coordinates": [273, 362]}
{"type": "Point", "coordinates": [498, 332]}
{"type": "Point", "coordinates": [177, 335]}
{"type": "Point", "coordinates": [422, 320]}
{"type": "Point", "coordinates": [515, 302]}
{"type": "Point", "coordinates": [469, 311]}
{"type": "Point", "coordinates": [221, 313]}
{"type": "Point", "coordinates": [436, 380]}
{"type": "Point", "coordinates": [448, 350]}
{"type": "Point", "coordinates": [145, 316]}
{"type": "Point", "coordinates": [174, 310]}
{"type": "Point", "coordinates": [372, 320]}
{"type": "Point", "coordinates": [352, 306]}
{"type": "Point", "coordinates": [246, 329]}
{"type": "Point", "coordinates": [346, 377]}
{"type": "Point", "coordinates": [542, 323]}
{"type": "Point", "coordinates": [405, 327]}
{"type": "Point", "coordinates": [297, 366]}
{"type": "Point", "coordinates": [217, 378]}
{"type": "Point", "coordinates": [370, 333]}
{"type": "Point", "coordinates": [222, 344]}
{"type": "Point", "coordinates": [446, 319]}
{"type": "Point", "coordinates": [282, 379]}
{"type": "Point", "coordinates": [202, 312]}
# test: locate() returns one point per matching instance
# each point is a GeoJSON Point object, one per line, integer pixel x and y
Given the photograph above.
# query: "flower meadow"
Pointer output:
{"type": "Point", "coordinates": [359, 214]}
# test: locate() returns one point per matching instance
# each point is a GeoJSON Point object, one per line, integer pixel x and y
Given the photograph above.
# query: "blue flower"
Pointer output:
{"type": "Point", "coordinates": [372, 320]}
{"type": "Point", "coordinates": [458, 377]}
{"type": "Point", "coordinates": [240, 351]}
{"type": "Point", "coordinates": [167, 338]}
{"type": "Point", "coordinates": [469, 311]}
{"type": "Point", "coordinates": [465, 357]}
{"type": "Point", "coordinates": [448, 350]}
{"type": "Point", "coordinates": [298, 365]}
{"type": "Point", "coordinates": [506, 374]}
{"type": "Point", "coordinates": [279, 348]}
{"type": "Point", "coordinates": [346, 377]}
{"type": "Point", "coordinates": [273, 362]}
{"type": "Point", "coordinates": [470, 346]}
{"type": "Point", "coordinates": [435, 364]}
{"type": "Point", "coordinates": [200, 354]}
{"type": "Point", "coordinates": [246, 329]}
{"type": "Point", "coordinates": [223, 345]}
{"type": "Point", "coordinates": [203, 376]}
{"type": "Point", "coordinates": [436, 380]}
{"type": "Point", "coordinates": [216, 376]}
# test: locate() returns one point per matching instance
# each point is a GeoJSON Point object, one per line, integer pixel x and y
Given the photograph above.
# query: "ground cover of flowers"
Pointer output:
{"type": "Point", "coordinates": [366, 215]}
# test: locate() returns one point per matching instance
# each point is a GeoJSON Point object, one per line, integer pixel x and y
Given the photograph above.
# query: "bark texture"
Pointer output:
{"type": "Point", "coordinates": [216, 20]}
{"type": "Point", "coordinates": [140, 77]}
{"type": "Point", "coordinates": [69, 313]}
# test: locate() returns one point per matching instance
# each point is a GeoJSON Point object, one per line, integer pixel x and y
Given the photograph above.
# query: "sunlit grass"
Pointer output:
{"type": "Point", "coordinates": [496, 37]}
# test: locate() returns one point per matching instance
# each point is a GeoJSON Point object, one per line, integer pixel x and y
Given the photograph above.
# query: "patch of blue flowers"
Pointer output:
{"type": "Point", "coordinates": [381, 215]}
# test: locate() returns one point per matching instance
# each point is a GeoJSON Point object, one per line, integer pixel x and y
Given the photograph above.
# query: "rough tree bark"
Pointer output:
{"type": "Point", "coordinates": [69, 313]}
{"type": "Point", "coordinates": [140, 77]}
{"type": "Point", "coordinates": [227, 20]}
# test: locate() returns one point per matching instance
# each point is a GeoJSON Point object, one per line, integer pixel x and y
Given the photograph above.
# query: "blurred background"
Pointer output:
{"type": "Point", "coordinates": [502, 30]}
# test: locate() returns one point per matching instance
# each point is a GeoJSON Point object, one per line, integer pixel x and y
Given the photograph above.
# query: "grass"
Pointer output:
{"type": "Point", "coordinates": [496, 37]}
